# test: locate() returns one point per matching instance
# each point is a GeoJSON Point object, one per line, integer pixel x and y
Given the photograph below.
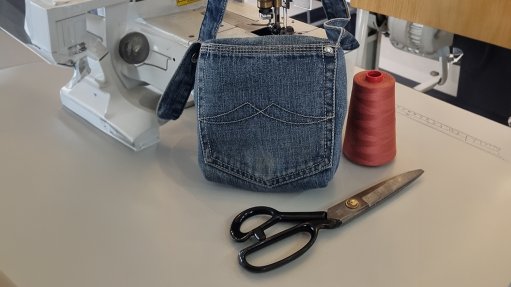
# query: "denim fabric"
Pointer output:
{"type": "Point", "coordinates": [176, 94]}
{"type": "Point", "coordinates": [215, 11]}
{"type": "Point", "coordinates": [270, 109]}
{"type": "Point", "coordinates": [262, 130]}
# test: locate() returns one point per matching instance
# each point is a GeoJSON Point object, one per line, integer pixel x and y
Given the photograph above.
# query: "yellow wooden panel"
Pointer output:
{"type": "Point", "coordinates": [488, 21]}
{"type": "Point", "coordinates": [185, 2]}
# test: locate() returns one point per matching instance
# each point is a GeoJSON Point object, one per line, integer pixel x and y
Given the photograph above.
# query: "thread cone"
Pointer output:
{"type": "Point", "coordinates": [370, 137]}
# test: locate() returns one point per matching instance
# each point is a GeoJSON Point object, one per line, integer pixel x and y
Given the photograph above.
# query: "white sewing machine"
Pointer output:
{"type": "Point", "coordinates": [124, 53]}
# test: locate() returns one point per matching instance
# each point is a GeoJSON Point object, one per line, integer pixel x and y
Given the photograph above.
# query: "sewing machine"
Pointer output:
{"type": "Point", "coordinates": [124, 53]}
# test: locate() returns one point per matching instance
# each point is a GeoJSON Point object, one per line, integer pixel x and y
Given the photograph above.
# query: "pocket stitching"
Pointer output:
{"type": "Point", "coordinates": [262, 112]}
{"type": "Point", "coordinates": [275, 181]}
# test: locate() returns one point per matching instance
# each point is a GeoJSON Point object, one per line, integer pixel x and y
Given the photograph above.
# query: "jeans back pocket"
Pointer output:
{"type": "Point", "coordinates": [268, 115]}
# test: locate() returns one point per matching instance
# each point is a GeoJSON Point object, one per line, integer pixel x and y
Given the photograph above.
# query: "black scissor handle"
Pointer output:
{"type": "Point", "coordinates": [276, 216]}
{"type": "Point", "coordinates": [311, 227]}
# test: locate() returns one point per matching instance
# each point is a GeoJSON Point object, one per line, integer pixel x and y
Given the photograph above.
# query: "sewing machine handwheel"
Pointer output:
{"type": "Point", "coordinates": [134, 48]}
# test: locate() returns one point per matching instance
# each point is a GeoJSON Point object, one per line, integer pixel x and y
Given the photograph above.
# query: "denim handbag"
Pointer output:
{"type": "Point", "coordinates": [270, 109]}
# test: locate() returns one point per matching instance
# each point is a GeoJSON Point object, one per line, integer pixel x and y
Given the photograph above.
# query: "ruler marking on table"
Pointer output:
{"type": "Point", "coordinates": [450, 131]}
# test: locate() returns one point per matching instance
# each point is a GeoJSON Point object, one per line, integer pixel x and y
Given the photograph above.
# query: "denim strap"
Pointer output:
{"type": "Point", "coordinates": [175, 96]}
{"type": "Point", "coordinates": [213, 17]}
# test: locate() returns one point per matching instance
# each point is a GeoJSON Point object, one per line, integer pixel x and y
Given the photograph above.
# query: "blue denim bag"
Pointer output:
{"type": "Point", "coordinates": [270, 109]}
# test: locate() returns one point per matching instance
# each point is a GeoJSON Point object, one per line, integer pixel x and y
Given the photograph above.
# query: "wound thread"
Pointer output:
{"type": "Point", "coordinates": [370, 137]}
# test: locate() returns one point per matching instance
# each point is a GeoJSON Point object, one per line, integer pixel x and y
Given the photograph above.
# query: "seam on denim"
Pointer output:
{"type": "Point", "coordinates": [341, 3]}
{"type": "Point", "coordinates": [238, 176]}
{"type": "Point", "coordinates": [314, 46]}
{"type": "Point", "coordinates": [305, 171]}
{"type": "Point", "coordinates": [239, 172]}
{"type": "Point", "coordinates": [341, 36]}
{"type": "Point", "coordinates": [325, 86]}
{"type": "Point", "coordinates": [269, 47]}
{"type": "Point", "coordinates": [346, 10]}
{"type": "Point", "coordinates": [221, 16]}
{"type": "Point", "coordinates": [330, 100]}
{"type": "Point", "coordinates": [201, 130]}
{"type": "Point", "coordinates": [275, 49]}
{"type": "Point", "coordinates": [264, 53]}
{"type": "Point", "coordinates": [261, 112]}
{"type": "Point", "coordinates": [272, 182]}
{"type": "Point", "coordinates": [246, 48]}
{"type": "Point", "coordinates": [266, 115]}
{"type": "Point", "coordinates": [217, 21]}
{"type": "Point", "coordinates": [334, 91]}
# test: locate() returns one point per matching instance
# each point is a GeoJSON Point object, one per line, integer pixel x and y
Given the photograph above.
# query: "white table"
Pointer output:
{"type": "Point", "coordinates": [79, 209]}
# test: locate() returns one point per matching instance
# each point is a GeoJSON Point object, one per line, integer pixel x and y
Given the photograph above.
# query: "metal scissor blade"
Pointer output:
{"type": "Point", "coordinates": [364, 200]}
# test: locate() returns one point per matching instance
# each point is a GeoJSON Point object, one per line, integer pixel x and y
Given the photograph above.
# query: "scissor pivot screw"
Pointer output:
{"type": "Point", "coordinates": [352, 203]}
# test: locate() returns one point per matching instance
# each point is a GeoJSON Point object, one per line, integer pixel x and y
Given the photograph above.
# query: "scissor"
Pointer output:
{"type": "Point", "coordinates": [312, 222]}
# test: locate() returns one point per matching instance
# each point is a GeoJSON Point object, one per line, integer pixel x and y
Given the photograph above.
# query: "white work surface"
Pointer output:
{"type": "Point", "coordinates": [79, 209]}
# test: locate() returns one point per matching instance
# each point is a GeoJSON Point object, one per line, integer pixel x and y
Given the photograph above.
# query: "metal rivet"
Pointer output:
{"type": "Point", "coordinates": [328, 50]}
{"type": "Point", "coordinates": [194, 58]}
{"type": "Point", "coordinates": [352, 203]}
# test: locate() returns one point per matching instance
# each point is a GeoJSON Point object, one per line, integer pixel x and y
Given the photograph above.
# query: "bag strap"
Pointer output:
{"type": "Point", "coordinates": [173, 100]}
{"type": "Point", "coordinates": [213, 17]}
